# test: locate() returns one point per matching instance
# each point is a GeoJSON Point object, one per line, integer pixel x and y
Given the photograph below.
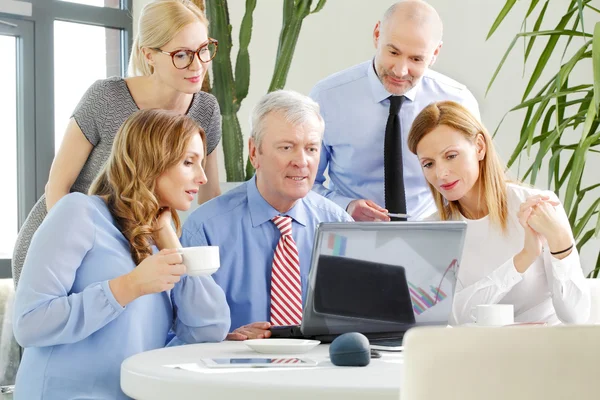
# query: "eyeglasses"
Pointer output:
{"type": "Point", "coordinates": [184, 58]}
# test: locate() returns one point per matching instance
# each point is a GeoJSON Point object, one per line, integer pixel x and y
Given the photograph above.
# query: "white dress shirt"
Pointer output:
{"type": "Point", "coordinates": [355, 107]}
{"type": "Point", "coordinates": [551, 290]}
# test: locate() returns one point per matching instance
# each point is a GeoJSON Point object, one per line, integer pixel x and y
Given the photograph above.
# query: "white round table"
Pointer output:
{"type": "Point", "coordinates": [152, 376]}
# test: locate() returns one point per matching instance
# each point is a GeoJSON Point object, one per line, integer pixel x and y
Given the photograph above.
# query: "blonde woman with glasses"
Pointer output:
{"type": "Point", "coordinates": [519, 246]}
{"type": "Point", "coordinates": [169, 59]}
{"type": "Point", "coordinates": [94, 291]}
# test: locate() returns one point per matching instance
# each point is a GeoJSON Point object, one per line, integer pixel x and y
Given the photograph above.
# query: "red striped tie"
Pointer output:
{"type": "Point", "coordinates": [286, 289]}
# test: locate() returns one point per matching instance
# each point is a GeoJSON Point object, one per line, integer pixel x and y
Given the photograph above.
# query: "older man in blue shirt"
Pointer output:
{"type": "Point", "coordinates": [355, 104]}
{"type": "Point", "coordinates": [264, 270]}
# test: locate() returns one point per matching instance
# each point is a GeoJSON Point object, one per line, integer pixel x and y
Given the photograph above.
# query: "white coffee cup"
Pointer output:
{"type": "Point", "coordinates": [495, 314]}
{"type": "Point", "coordinates": [201, 260]}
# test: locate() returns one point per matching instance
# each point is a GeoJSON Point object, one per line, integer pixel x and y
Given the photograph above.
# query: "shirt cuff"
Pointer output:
{"type": "Point", "coordinates": [562, 268]}
{"type": "Point", "coordinates": [506, 276]}
{"type": "Point", "coordinates": [111, 297]}
{"type": "Point", "coordinates": [341, 201]}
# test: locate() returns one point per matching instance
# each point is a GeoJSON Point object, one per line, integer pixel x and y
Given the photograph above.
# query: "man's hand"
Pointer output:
{"type": "Point", "coordinates": [366, 210]}
{"type": "Point", "coordinates": [255, 330]}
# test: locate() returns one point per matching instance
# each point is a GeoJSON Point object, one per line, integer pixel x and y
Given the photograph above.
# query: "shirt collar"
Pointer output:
{"type": "Point", "coordinates": [378, 90]}
{"type": "Point", "coordinates": [261, 211]}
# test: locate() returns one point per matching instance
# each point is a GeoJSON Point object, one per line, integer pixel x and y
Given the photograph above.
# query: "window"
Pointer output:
{"type": "Point", "coordinates": [76, 43]}
{"type": "Point", "coordinates": [8, 150]}
{"type": "Point", "coordinates": [82, 55]}
{"type": "Point", "coordinates": [98, 3]}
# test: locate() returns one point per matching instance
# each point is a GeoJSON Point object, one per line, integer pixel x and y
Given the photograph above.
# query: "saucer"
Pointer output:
{"type": "Point", "coordinates": [281, 346]}
{"type": "Point", "coordinates": [474, 325]}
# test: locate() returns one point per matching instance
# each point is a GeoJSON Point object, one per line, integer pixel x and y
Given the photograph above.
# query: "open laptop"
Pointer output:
{"type": "Point", "coordinates": [380, 279]}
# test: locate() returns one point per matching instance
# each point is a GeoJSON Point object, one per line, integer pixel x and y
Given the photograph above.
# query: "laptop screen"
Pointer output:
{"type": "Point", "coordinates": [351, 287]}
{"type": "Point", "coordinates": [391, 272]}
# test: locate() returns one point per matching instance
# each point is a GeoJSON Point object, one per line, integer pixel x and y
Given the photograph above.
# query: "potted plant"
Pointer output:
{"type": "Point", "coordinates": [231, 88]}
{"type": "Point", "coordinates": [560, 107]}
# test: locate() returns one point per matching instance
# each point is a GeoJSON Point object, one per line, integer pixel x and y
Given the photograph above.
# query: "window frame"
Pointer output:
{"type": "Point", "coordinates": [35, 136]}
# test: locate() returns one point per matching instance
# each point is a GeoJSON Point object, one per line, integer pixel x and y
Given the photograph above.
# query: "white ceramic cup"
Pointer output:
{"type": "Point", "coordinates": [495, 314]}
{"type": "Point", "coordinates": [201, 260]}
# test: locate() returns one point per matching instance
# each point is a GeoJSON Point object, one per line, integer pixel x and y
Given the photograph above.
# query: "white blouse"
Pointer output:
{"type": "Point", "coordinates": [551, 290]}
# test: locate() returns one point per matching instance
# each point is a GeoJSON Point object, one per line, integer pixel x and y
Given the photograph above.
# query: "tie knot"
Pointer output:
{"type": "Point", "coordinates": [395, 103]}
{"type": "Point", "coordinates": [284, 224]}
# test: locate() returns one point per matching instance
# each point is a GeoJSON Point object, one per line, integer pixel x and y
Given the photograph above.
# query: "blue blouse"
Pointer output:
{"type": "Point", "coordinates": [75, 333]}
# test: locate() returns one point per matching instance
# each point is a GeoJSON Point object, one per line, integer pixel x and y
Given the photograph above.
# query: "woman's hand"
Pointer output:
{"type": "Point", "coordinates": [545, 220]}
{"type": "Point", "coordinates": [532, 244]}
{"type": "Point", "coordinates": [165, 236]}
{"type": "Point", "coordinates": [155, 274]}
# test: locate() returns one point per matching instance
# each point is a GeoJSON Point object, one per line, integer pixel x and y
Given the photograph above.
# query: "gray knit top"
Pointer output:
{"type": "Point", "coordinates": [105, 107]}
{"type": "Point", "coordinates": [100, 113]}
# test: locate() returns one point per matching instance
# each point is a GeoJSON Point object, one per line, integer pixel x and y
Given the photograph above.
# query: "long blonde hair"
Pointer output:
{"type": "Point", "coordinates": [149, 142]}
{"type": "Point", "coordinates": [492, 178]}
{"type": "Point", "coordinates": [158, 24]}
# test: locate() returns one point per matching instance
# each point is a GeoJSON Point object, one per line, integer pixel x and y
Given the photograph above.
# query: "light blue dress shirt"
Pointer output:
{"type": "Point", "coordinates": [75, 333]}
{"type": "Point", "coordinates": [239, 222]}
{"type": "Point", "coordinates": [355, 107]}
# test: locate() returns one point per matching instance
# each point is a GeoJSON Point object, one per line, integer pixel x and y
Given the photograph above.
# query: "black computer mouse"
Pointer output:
{"type": "Point", "coordinates": [350, 350]}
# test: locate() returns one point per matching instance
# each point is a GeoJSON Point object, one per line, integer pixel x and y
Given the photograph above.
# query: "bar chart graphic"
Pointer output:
{"type": "Point", "coordinates": [423, 299]}
{"type": "Point", "coordinates": [337, 244]}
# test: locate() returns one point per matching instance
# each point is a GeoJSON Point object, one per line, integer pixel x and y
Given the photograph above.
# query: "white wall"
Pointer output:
{"type": "Point", "coordinates": [340, 35]}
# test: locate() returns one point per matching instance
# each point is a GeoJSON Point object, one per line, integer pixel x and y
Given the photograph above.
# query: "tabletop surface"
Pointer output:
{"type": "Point", "coordinates": [151, 375]}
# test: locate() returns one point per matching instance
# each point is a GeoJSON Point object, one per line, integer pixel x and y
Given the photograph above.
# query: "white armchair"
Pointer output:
{"type": "Point", "coordinates": [526, 362]}
{"type": "Point", "coordinates": [9, 350]}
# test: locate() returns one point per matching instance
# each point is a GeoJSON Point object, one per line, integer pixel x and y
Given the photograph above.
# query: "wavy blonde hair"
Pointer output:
{"type": "Point", "coordinates": [492, 177]}
{"type": "Point", "coordinates": [158, 24]}
{"type": "Point", "coordinates": [149, 143]}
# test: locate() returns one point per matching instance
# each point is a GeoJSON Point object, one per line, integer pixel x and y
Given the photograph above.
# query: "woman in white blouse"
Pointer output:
{"type": "Point", "coordinates": [519, 245]}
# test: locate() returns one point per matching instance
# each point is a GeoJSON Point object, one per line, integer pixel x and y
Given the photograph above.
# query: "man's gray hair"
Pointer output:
{"type": "Point", "coordinates": [296, 108]}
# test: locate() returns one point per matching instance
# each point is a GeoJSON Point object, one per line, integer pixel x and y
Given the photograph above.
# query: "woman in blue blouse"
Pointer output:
{"type": "Point", "coordinates": [92, 292]}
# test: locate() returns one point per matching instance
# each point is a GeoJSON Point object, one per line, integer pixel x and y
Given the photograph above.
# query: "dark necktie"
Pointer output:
{"type": "Point", "coordinates": [395, 199]}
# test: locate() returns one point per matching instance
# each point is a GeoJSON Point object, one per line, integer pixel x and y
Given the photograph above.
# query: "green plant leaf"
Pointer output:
{"type": "Point", "coordinates": [575, 24]}
{"type": "Point", "coordinates": [548, 140]}
{"type": "Point", "coordinates": [547, 52]}
{"type": "Point", "coordinates": [532, 6]}
{"type": "Point", "coordinates": [584, 104]}
{"type": "Point", "coordinates": [506, 53]}
{"type": "Point", "coordinates": [580, 16]}
{"type": "Point", "coordinates": [594, 273]}
{"type": "Point", "coordinates": [536, 27]}
{"type": "Point", "coordinates": [546, 144]}
{"type": "Point", "coordinates": [589, 121]}
{"type": "Point", "coordinates": [552, 34]}
{"type": "Point", "coordinates": [551, 95]}
{"type": "Point", "coordinates": [584, 239]}
{"type": "Point", "coordinates": [288, 11]}
{"type": "Point", "coordinates": [242, 63]}
{"type": "Point", "coordinates": [597, 230]}
{"type": "Point", "coordinates": [592, 8]}
{"type": "Point", "coordinates": [554, 167]}
{"type": "Point", "coordinates": [582, 223]}
{"type": "Point", "coordinates": [596, 64]}
{"type": "Point", "coordinates": [567, 171]}
{"type": "Point", "coordinates": [505, 10]}
{"type": "Point", "coordinates": [576, 172]}
{"type": "Point", "coordinates": [287, 43]}
{"type": "Point", "coordinates": [566, 68]}
{"type": "Point", "coordinates": [319, 6]}
{"type": "Point", "coordinates": [249, 169]}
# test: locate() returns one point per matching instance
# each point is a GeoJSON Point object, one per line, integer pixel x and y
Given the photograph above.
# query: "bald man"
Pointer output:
{"type": "Point", "coordinates": [360, 115]}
